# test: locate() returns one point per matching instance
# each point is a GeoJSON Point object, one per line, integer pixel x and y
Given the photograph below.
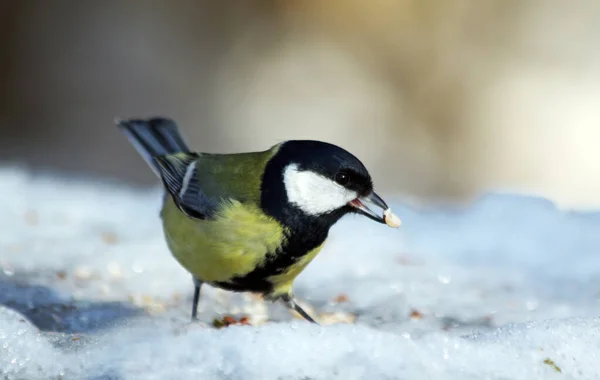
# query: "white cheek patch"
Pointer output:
{"type": "Point", "coordinates": [313, 193]}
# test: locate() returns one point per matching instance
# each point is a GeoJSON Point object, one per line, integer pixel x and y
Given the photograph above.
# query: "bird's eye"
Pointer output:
{"type": "Point", "coordinates": [342, 178]}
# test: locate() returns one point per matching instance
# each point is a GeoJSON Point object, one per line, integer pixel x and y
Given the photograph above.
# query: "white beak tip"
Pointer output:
{"type": "Point", "coordinates": [391, 219]}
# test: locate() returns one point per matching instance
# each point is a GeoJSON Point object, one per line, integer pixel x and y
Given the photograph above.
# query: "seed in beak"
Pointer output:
{"type": "Point", "coordinates": [391, 219]}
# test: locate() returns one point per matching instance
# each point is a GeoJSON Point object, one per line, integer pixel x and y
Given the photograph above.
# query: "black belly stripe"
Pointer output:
{"type": "Point", "coordinates": [241, 284]}
{"type": "Point", "coordinates": [295, 247]}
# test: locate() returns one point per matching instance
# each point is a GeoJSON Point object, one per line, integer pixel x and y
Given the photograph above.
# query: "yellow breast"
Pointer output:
{"type": "Point", "coordinates": [230, 245]}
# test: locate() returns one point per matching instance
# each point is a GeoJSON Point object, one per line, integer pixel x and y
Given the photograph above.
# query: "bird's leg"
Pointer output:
{"type": "Point", "coordinates": [197, 286]}
{"type": "Point", "coordinates": [291, 303]}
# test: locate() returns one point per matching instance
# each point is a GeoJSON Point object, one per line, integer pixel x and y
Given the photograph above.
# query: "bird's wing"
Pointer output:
{"type": "Point", "coordinates": [201, 183]}
{"type": "Point", "coordinates": [179, 173]}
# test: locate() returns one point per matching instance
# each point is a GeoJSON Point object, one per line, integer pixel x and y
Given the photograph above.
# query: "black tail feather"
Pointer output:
{"type": "Point", "coordinates": [153, 137]}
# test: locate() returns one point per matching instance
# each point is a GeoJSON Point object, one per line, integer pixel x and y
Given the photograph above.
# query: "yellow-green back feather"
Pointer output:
{"type": "Point", "coordinates": [235, 176]}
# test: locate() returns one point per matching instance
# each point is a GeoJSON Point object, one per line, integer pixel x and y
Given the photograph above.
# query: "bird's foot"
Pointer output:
{"type": "Point", "coordinates": [290, 302]}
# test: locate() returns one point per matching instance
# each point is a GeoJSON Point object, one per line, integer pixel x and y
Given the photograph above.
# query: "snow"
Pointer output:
{"type": "Point", "coordinates": [506, 288]}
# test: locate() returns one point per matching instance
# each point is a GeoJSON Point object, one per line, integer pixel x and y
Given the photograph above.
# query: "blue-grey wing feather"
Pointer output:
{"type": "Point", "coordinates": [182, 182]}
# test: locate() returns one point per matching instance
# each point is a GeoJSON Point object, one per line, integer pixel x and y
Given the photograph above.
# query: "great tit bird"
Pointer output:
{"type": "Point", "coordinates": [251, 222]}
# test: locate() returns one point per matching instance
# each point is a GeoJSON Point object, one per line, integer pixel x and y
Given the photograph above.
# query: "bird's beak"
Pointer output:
{"type": "Point", "coordinates": [375, 208]}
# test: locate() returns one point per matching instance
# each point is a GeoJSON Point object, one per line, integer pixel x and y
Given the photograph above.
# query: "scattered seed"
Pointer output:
{"type": "Point", "coordinates": [341, 298]}
{"type": "Point", "coordinates": [415, 314]}
{"type": "Point", "coordinates": [334, 318]}
{"type": "Point", "coordinates": [551, 363]}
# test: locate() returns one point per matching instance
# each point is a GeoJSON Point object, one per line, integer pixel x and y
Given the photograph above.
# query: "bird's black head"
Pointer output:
{"type": "Point", "coordinates": [316, 183]}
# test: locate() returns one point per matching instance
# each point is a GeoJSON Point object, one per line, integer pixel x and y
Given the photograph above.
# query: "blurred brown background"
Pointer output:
{"type": "Point", "coordinates": [439, 99]}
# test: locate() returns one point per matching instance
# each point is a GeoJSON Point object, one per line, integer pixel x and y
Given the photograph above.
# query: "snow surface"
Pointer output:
{"type": "Point", "coordinates": [504, 289]}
